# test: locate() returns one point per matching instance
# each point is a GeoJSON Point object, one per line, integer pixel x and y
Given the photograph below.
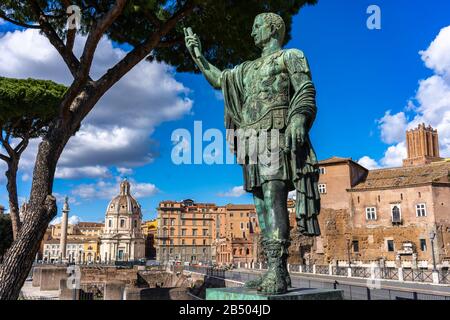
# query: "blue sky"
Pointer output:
{"type": "Point", "coordinates": [359, 75]}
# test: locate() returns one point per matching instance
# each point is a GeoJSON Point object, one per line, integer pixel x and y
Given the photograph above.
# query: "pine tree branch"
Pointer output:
{"type": "Point", "coordinates": [18, 23]}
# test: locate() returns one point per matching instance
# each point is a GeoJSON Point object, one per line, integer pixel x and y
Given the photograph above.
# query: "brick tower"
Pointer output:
{"type": "Point", "coordinates": [423, 146]}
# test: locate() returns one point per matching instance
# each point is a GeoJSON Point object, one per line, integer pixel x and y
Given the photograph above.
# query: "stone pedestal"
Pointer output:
{"type": "Point", "coordinates": [293, 294]}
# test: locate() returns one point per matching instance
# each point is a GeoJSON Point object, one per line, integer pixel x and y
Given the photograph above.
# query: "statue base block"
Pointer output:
{"type": "Point", "coordinates": [241, 293]}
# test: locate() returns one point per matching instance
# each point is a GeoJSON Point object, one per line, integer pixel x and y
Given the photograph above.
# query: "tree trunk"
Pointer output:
{"type": "Point", "coordinates": [20, 256]}
{"type": "Point", "coordinates": [11, 186]}
{"type": "Point", "coordinates": [41, 210]}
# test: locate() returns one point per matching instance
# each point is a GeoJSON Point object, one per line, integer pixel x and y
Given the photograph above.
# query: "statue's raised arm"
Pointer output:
{"type": "Point", "coordinates": [211, 73]}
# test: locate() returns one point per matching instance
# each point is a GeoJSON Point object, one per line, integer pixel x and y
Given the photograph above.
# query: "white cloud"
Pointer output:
{"type": "Point", "coordinates": [73, 220]}
{"type": "Point", "coordinates": [82, 172]}
{"type": "Point", "coordinates": [125, 171]}
{"type": "Point", "coordinates": [234, 192]}
{"type": "Point", "coordinates": [117, 132]}
{"type": "Point", "coordinates": [393, 127]}
{"type": "Point", "coordinates": [368, 163]}
{"type": "Point", "coordinates": [109, 189]}
{"type": "Point", "coordinates": [437, 55]}
{"type": "Point", "coordinates": [3, 168]}
{"type": "Point", "coordinates": [431, 105]}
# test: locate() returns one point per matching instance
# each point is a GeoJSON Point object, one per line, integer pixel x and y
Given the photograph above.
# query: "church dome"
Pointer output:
{"type": "Point", "coordinates": [124, 203]}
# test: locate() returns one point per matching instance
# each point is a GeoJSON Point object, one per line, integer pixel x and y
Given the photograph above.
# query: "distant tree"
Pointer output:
{"type": "Point", "coordinates": [6, 236]}
{"type": "Point", "coordinates": [28, 107]}
{"type": "Point", "coordinates": [154, 30]}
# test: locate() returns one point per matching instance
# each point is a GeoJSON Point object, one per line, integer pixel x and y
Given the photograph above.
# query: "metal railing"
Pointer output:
{"type": "Point", "coordinates": [444, 277]}
{"type": "Point", "coordinates": [322, 269]}
{"type": "Point", "coordinates": [340, 271]}
{"type": "Point", "coordinates": [307, 268]}
{"type": "Point", "coordinates": [417, 275]}
{"type": "Point", "coordinates": [386, 273]}
{"type": "Point", "coordinates": [361, 272]}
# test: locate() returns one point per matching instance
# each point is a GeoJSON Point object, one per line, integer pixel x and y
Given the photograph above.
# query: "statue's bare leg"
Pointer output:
{"type": "Point", "coordinates": [258, 198]}
{"type": "Point", "coordinates": [276, 237]}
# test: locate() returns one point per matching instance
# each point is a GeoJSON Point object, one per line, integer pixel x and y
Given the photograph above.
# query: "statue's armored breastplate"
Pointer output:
{"type": "Point", "coordinates": [266, 88]}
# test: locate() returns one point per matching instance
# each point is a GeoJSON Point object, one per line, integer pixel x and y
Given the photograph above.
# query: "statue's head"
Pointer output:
{"type": "Point", "coordinates": [266, 27]}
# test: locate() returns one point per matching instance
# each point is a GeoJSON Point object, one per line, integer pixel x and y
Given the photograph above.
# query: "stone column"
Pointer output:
{"type": "Point", "coordinates": [64, 222]}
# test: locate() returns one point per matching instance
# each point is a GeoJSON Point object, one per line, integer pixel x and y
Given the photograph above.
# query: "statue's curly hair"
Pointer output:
{"type": "Point", "coordinates": [277, 21]}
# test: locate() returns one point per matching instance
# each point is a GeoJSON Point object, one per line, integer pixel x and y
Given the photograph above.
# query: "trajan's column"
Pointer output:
{"type": "Point", "coordinates": [64, 221]}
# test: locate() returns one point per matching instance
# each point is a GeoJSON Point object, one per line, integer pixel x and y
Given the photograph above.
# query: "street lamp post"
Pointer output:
{"type": "Point", "coordinates": [432, 237]}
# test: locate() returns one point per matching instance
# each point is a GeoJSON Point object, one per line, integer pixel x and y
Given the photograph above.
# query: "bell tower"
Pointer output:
{"type": "Point", "coordinates": [422, 145]}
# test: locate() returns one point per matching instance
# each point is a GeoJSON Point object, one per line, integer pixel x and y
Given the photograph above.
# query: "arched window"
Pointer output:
{"type": "Point", "coordinates": [248, 251]}
{"type": "Point", "coordinates": [396, 214]}
{"type": "Point", "coordinates": [122, 223]}
{"type": "Point", "coordinates": [110, 223]}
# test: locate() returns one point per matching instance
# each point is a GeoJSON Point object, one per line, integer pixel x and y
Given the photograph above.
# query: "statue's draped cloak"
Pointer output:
{"type": "Point", "coordinates": [302, 164]}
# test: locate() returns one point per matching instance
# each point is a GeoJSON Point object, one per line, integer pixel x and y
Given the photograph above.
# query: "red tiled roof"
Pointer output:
{"type": "Point", "coordinates": [438, 172]}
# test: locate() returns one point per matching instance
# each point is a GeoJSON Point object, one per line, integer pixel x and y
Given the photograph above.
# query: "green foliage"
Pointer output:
{"type": "Point", "coordinates": [6, 236]}
{"type": "Point", "coordinates": [27, 105]}
{"type": "Point", "coordinates": [224, 26]}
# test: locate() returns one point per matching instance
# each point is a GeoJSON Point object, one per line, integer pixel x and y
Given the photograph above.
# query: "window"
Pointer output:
{"type": "Point", "coordinates": [205, 232]}
{"type": "Point", "coordinates": [135, 223]}
{"type": "Point", "coordinates": [204, 242]}
{"type": "Point", "coordinates": [423, 245]}
{"type": "Point", "coordinates": [322, 188]}
{"type": "Point", "coordinates": [183, 232]}
{"type": "Point", "coordinates": [242, 226]}
{"type": "Point", "coordinates": [171, 242]}
{"type": "Point", "coordinates": [172, 222]}
{"type": "Point", "coordinates": [421, 210]}
{"type": "Point", "coordinates": [183, 242]}
{"type": "Point", "coordinates": [371, 213]}
{"type": "Point", "coordinates": [248, 251]}
{"type": "Point", "coordinates": [396, 213]}
{"type": "Point", "coordinates": [322, 170]}
{"type": "Point", "coordinates": [390, 245]}
{"type": "Point", "coordinates": [122, 223]}
{"type": "Point", "coordinates": [194, 232]}
{"type": "Point", "coordinates": [355, 245]}
{"type": "Point", "coordinates": [183, 222]}
{"type": "Point", "coordinates": [242, 214]}
{"type": "Point", "coordinates": [172, 232]}
{"type": "Point", "coordinates": [110, 223]}
{"type": "Point", "coordinates": [165, 221]}
{"type": "Point", "coordinates": [193, 242]}
{"type": "Point", "coordinates": [194, 251]}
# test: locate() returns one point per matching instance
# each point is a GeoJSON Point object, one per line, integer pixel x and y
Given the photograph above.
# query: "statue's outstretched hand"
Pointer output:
{"type": "Point", "coordinates": [192, 43]}
{"type": "Point", "coordinates": [296, 133]}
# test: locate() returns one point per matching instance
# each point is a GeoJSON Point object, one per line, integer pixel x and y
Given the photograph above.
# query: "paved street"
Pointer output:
{"type": "Point", "coordinates": [358, 288]}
